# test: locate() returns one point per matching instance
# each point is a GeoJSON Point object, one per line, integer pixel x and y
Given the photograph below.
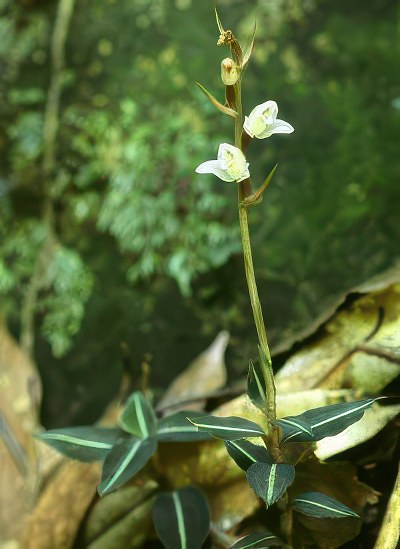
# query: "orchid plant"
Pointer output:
{"type": "Point", "coordinates": [182, 517]}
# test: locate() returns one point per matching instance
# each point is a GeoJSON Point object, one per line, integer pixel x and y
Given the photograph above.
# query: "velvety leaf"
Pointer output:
{"type": "Point", "coordinates": [315, 504]}
{"type": "Point", "coordinates": [270, 481]}
{"type": "Point", "coordinates": [328, 421]}
{"type": "Point", "coordinates": [295, 430]}
{"type": "Point", "coordinates": [373, 421]}
{"type": "Point", "coordinates": [257, 541]}
{"type": "Point", "coordinates": [182, 519]}
{"type": "Point", "coordinates": [256, 380]}
{"type": "Point", "coordinates": [331, 420]}
{"type": "Point", "coordinates": [177, 428]}
{"type": "Point", "coordinates": [124, 461]}
{"type": "Point", "coordinates": [228, 428]}
{"type": "Point", "coordinates": [138, 417]}
{"type": "Point", "coordinates": [245, 453]}
{"type": "Point", "coordinates": [82, 443]}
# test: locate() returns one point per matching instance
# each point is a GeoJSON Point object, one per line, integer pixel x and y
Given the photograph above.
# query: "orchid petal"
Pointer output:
{"type": "Point", "coordinates": [269, 109]}
{"type": "Point", "coordinates": [247, 126]}
{"type": "Point", "coordinates": [214, 167]}
{"type": "Point", "coordinates": [279, 126]}
{"type": "Point", "coordinates": [245, 174]}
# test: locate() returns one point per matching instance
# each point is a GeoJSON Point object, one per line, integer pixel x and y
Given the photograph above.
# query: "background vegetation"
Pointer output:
{"type": "Point", "coordinates": [106, 225]}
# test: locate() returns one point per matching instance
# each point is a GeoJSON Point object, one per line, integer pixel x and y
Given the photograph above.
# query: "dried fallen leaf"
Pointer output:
{"type": "Point", "coordinates": [338, 480]}
{"type": "Point", "coordinates": [20, 394]}
{"type": "Point", "coordinates": [232, 503]}
{"type": "Point", "coordinates": [122, 519]}
{"type": "Point", "coordinates": [202, 463]}
{"type": "Point", "coordinates": [358, 348]}
{"type": "Point", "coordinates": [206, 373]}
{"type": "Point", "coordinates": [389, 534]}
{"type": "Point", "coordinates": [62, 505]}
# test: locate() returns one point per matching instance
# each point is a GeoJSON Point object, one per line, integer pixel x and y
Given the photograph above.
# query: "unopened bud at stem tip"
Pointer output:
{"type": "Point", "coordinates": [230, 72]}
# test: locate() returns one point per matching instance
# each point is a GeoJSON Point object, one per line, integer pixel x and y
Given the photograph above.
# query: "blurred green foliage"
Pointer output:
{"type": "Point", "coordinates": [132, 222]}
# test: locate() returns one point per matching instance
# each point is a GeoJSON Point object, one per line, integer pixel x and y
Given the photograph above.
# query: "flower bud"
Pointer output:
{"type": "Point", "coordinates": [229, 72]}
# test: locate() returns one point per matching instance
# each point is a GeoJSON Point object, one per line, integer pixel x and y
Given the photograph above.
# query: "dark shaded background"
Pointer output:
{"type": "Point", "coordinates": [139, 258]}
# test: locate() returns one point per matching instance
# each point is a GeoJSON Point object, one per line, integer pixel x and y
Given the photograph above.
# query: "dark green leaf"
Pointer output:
{"type": "Point", "coordinates": [82, 443]}
{"type": "Point", "coordinates": [182, 519]}
{"type": "Point", "coordinates": [270, 482]}
{"type": "Point", "coordinates": [138, 416]}
{"type": "Point", "coordinates": [245, 453]}
{"type": "Point", "coordinates": [295, 430]}
{"type": "Point", "coordinates": [257, 541]}
{"type": "Point", "coordinates": [328, 421]}
{"type": "Point", "coordinates": [124, 461]}
{"type": "Point", "coordinates": [177, 428]}
{"type": "Point", "coordinates": [315, 504]}
{"type": "Point", "coordinates": [256, 380]}
{"type": "Point", "coordinates": [228, 428]}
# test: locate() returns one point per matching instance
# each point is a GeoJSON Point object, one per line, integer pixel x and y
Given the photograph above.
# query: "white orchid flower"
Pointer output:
{"type": "Point", "coordinates": [230, 165]}
{"type": "Point", "coordinates": [262, 121]}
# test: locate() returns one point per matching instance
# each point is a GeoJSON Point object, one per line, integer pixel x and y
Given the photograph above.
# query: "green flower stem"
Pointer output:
{"type": "Point", "coordinates": [243, 192]}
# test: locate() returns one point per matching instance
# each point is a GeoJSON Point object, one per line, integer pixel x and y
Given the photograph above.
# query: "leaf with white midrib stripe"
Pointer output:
{"type": "Point", "coordinates": [228, 428]}
{"type": "Point", "coordinates": [82, 443]}
{"type": "Point", "coordinates": [124, 461]}
{"type": "Point", "coordinates": [270, 482]}
{"type": "Point", "coordinates": [177, 428]}
{"type": "Point", "coordinates": [138, 417]}
{"type": "Point", "coordinates": [295, 430]}
{"type": "Point", "coordinates": [181, 518]}
{"type": "Point", "coordinates": [328, 421]}
{"type": "Point", "coordinates": [257, 541]}
{"type": "Point", "coordinates": [319, 505]}
{"type": "Point", "coordinates": [244, 453]}
{"type": "Point", "coordinates": [256, 380]}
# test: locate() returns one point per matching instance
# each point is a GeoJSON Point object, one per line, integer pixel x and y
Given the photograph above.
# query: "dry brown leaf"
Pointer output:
{"type": "Point", "coordinates": [122, 519]}
{"type": "Point", "coordinates": [232, 503]}
{"type": "Point", "coordinates": [206, 373]}
{"type": "Point", "coordinates": [62, 506]}
{"type": "Point", "coordinates": [389, 534]}
{"type": "Point", "coordinates": [201, 463]}
{"type": "Point", "coordinates": [358, 348]}
{"type": "Point", "coordinates": [338, 480]}
{"type": "Point", "coordinates": [20, 395]}
{"type": "Point", "coordinates": [324, 533]}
